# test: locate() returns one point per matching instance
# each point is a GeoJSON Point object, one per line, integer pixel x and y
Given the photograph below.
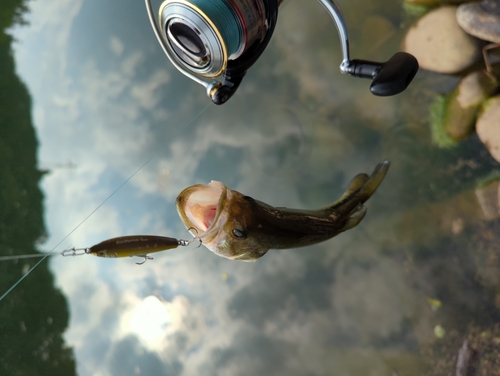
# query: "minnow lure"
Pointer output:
{"type": "Point", "coordinates": [129, 246]}
{"type": "Point", "coordinates": [239, 227]}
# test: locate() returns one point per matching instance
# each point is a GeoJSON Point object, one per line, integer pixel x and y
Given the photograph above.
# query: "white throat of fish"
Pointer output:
{"type": "Point", "coordinates": [205, 210]}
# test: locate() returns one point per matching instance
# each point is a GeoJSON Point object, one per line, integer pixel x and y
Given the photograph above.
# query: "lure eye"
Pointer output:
{"type": "Point", "coordinates": [239, 233]}
{"type": "Point", "coordinates": [101, 253]}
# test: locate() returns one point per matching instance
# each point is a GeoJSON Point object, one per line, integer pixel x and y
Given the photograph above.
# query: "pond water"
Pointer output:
{"type": "Point", "coordinates": [394, 296]}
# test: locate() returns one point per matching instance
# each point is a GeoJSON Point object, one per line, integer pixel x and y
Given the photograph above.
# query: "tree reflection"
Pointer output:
{"type": "Point", "coordinates": [34, 317]}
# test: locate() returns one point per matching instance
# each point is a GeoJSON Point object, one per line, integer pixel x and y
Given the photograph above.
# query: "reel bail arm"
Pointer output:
{"type": "Point", "coordinates": [389, 78]}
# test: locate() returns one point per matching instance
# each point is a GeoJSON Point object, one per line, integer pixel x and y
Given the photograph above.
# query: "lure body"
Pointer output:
{"type": "Point", "coordinates": [239, 227]}
{"type": "Point", "coordinates": [134, 245]}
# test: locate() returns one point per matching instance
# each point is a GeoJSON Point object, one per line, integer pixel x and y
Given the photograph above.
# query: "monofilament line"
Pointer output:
{"type": "Point", "coordinates": [98, 207]}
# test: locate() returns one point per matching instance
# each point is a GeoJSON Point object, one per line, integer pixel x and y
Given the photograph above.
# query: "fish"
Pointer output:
{"type": "Point", "coordinates": [238, 227]}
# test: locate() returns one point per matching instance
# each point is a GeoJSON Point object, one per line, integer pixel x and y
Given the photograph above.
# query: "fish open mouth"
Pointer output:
{"type": "Point", "coordinates": [200, 208]}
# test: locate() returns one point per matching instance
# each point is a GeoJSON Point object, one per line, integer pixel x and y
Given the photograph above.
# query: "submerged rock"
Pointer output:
{"type": "Point", "coordinates": [466, 360]}
{"type": "Point", "coordinates": [488, 126]}
{"type": "Point", "coordinates": [488, 195]}
{"type": "Point", "coordinates": [440, 44]}
{"type": "Point", "coordinates": [473, 352]}
{"type": "Point", "coordinates": [437, 112]}
{"type": "Point", "coordinates": [456, 118]}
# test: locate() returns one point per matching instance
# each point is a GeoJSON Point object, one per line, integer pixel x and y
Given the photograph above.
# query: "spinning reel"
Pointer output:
{"type": "Point", "coordinates": [206, 39]}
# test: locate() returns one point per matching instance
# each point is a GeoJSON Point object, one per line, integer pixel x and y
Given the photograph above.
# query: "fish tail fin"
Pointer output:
{"type": "Point", "coordinates": [361, 188]}
{"type": "Point", "coordinates": [375, 179]}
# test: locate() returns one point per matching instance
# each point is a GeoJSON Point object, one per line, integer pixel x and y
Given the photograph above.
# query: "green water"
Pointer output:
{"type": "Point", "coordinates": [90, 105]}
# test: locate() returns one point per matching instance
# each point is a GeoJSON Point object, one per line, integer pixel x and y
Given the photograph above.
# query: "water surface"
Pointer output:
{"type": "Point", "coordinates": [105, 100]}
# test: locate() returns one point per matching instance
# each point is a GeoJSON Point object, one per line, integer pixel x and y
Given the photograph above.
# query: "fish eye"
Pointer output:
{"type": "Point", "coordinates": [239, 233]}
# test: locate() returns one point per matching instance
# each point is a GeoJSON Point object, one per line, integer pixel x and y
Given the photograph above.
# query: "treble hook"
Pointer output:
{"type": "Point", "coordinates": [199, 240]}
{"type": "Point", "coordinates": [75, 252]}
{"type": "Point", "coordinates": [192, 240]}
{"type": "Point", "coordinates": [146, 258]}
{"type": "Point", "coordinates": [193, 229]}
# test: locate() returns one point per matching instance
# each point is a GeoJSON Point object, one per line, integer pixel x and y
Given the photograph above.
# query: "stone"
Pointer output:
{"type": "Point", "coordinates": [440, 44]}
{"type": "Point", "coordinates": [464, 104]}
{"type": "Point", "coordinates": [434, 3]}
{"type": "Point", "coordinates": [488, 126]}
{"type": "Point", "coordinates": [481, 19]}
{"type": "Point", "coordinates": [488, 195]}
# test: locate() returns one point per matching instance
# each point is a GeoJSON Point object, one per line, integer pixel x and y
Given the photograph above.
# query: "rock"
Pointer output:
{"type": "Point", "coordinates": [440, 44]}
{"type": "Point", "coordinates": [488, 195]}
{"type": "Point", "coordinates": [453, 116]}
{"type": "Point", "coordinates": [481, 19]}
{"type": "Point", "coordinates": [488, 126]}
{"type": "Point", "coordinates": [434, 3]}
{"type": "Point", "coordinates": [437, 112]}
{"type": "Point", "coordinates": [463, 105]}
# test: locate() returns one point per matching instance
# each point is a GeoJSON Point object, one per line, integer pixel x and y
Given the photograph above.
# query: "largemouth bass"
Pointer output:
{"type": "Point", "coordinates": [239, 227]}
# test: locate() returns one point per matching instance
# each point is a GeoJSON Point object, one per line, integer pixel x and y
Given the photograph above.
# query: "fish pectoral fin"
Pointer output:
{"type": "Point", "coordinates": [355, 217]}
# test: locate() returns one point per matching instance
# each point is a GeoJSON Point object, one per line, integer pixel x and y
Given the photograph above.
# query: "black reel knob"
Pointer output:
{"type": "Point", "coordinates": [389, 78]}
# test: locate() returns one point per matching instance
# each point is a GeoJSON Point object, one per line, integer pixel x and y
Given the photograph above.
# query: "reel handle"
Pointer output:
{"type": "Point", "coordinates": [389, 78]}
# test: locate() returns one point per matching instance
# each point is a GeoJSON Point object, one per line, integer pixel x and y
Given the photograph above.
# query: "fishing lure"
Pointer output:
{"type": "Point", "coordinates": [129, 246]}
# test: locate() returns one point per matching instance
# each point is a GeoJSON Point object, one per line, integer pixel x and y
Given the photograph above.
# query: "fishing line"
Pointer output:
{"type": "Point", "coordinates": [18, 257]}
{"type": "Point", "coordinates": [51, 253]}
